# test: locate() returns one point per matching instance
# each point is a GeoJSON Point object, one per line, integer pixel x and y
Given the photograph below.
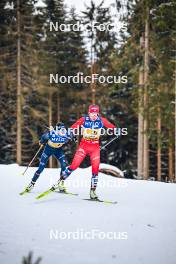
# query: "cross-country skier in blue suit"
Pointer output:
{"type": "Point", "coordinates": [53, 141]}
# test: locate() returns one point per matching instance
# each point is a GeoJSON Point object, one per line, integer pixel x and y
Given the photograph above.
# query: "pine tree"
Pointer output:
{"type": "Point", "coordinates": [7, 80]}
{"type": "Point", "coordinates": [153, 63]}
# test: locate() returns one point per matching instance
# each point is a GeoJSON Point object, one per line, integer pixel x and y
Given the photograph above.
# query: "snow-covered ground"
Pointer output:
{"type": "Point", "coordinates": [140, 229]}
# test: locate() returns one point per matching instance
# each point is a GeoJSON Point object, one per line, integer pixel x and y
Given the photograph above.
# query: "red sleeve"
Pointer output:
{"type": "Point", "coordinates": [78, 123]}
{"type": "Point", "coordinates": [107, 124]}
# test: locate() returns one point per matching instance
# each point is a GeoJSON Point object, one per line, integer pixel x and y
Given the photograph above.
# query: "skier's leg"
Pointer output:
{"type": "Point", "coordinates": [43, 161]}
{"type": "Point", "coordinates": [95, 162]}
{"type": "Point", "coordinates": [60, 156]}
{"type": "Point", "coordinates": [78, 158]}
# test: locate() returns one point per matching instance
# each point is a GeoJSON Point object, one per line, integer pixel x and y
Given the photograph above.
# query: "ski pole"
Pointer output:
{"type": "Point", "coordinates": [109, 142]}
{"type": "Point", "coordinates": [32, 159]}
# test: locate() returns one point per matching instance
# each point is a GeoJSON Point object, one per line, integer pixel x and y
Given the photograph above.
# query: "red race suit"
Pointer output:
{"type": "Point", "coordinates": [89, 144]}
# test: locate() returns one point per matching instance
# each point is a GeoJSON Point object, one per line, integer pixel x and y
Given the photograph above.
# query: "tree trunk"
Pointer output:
{"type": "Point", "coordinates": [175, 138]}
{"type": "Point", "coordinates": [93, 84]}
{"type": "Point", "coordinates": [140, 156]}
{"type": "Point", "coordinates": [19, 115]}
{"type": "Point", "coordinates": [55, 162]}
{"type": "Point", "coordinates": [50, 120]}
{"type": "Point", "coordinates": [58, 108]}
{"type": "Point", "coordinates": [170, 159]}
{"type": "Point", "coordinates": [146, 70]}
{"type": "Point", "coordinates": [159, 144]}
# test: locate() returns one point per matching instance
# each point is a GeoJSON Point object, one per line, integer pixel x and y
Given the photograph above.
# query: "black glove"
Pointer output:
{"type": "Point", "coordinates": [75, 139]}
{"type": "Point", "coordinates": [72, 137]}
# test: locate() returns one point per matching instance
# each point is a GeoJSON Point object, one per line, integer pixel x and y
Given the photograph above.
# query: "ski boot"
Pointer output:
{"type": "Point", "coordinates": [93, 195]}
{"type": "Point", "coordinates": [28, 188]}
{"type": "Point", "coordinates": [60, 185]}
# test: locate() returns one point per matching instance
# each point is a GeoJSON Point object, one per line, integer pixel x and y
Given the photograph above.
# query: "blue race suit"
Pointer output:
{"type": "Point", "coordinates": [55, 140]}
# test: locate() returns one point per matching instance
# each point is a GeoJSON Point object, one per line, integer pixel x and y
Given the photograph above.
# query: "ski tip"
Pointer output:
{"type": "Point", "coordinates": [38, 197]}
{"type": "Point", "coordinates": [43, 194]}
{"type": "Point", "coordinates": [22, 193]}
{"type": "Point", "coordinates": [101, 201]}
{"type": "Point", "coordinates": [110, 202]}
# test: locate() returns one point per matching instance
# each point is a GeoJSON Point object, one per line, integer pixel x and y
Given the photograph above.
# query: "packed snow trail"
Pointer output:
{"type": "Point", "coordinates": [144, 220]}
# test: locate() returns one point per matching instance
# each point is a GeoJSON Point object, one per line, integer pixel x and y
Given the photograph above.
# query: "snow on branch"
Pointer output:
{"type": "Point", "coordinates": [111, 170]}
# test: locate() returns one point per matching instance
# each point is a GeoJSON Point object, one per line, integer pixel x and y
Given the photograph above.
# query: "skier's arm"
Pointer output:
{"type": "Point", "coordinates": [107, 124]}
{"type": "Point", "coordinates": [78, 123]}
{"type": "Point", "coordinates": [44, 138]}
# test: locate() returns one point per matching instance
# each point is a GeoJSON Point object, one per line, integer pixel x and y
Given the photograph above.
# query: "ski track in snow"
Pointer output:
{"type": "Point", "coordinates": [145, 210]}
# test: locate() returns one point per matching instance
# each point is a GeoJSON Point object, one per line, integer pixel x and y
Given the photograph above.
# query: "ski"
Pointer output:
{"type": "Point", "coordinates": [101, 201]}
{"type": "Point", "coordinates": [70, 193]}
{"type": "Point", "coordinates": [44, 193]}
{"type": "Point", "coordinates": [24, 192]}
{"type": "Point", "coordinates": [53, 190]}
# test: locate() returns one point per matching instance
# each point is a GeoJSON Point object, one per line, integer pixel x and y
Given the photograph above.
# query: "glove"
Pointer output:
{"type": "Point", "coordinates": [73, 137]}
{"type": "Point", "coordinates": [40, 144]}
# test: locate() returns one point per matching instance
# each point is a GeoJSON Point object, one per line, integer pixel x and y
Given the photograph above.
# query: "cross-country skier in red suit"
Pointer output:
{"type": "Point", "coordinates": [89, 145]}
